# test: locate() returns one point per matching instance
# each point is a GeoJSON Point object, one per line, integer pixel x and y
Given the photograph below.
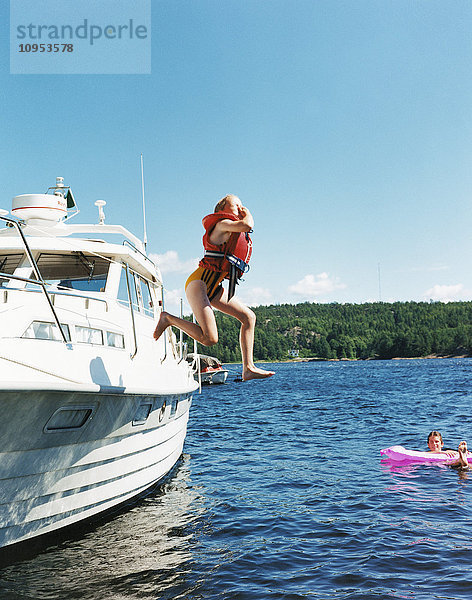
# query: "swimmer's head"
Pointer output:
{"type": "Point", "coordinates": [229, 203]}
{"type": "Point", "coordinates": [435, 441]}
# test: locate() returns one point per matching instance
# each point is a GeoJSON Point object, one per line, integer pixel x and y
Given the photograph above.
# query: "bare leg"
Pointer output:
{"type": "Point", "coordinates": [247, 318]}
{"type": "Point", "coordinates": [206, 331]}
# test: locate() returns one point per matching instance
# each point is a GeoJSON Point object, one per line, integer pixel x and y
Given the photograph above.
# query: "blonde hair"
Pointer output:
{"type": "Point", "coordinates": [222, 203]}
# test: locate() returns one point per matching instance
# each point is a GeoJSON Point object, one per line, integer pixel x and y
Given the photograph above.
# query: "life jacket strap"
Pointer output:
{"type": "Point", "coordinates": [233, 280]}
{"type": "Point", "coordinates": [233, 260]}
{"type": "Point", "coordinates": [236, 269]}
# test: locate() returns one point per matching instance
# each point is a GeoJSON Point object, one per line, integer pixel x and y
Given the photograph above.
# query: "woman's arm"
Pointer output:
{"type": "Point", "coordinates": [224, 228]}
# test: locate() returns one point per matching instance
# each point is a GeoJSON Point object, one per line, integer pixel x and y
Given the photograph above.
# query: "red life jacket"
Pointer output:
{"type": "Point", "coordinates": [232, 257]}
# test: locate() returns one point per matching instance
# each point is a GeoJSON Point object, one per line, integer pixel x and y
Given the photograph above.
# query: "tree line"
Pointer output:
{"type": "Point", "coordinates": [350, 331]}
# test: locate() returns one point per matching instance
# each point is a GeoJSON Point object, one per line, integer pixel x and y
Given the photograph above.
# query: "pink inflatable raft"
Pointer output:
{"type": "Point", "coordinates": [399, 454]}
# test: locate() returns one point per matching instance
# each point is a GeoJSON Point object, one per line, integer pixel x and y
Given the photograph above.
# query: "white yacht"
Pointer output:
{"type": "Point", "coordinates": [94, 410]}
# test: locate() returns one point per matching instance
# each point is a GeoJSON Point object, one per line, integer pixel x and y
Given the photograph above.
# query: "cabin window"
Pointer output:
{"type": "Point", "coordinates": [147, 304]}
{"type": "Point", "coordinates": [139, 290]}
{"type": "Point", "coordinates": [115, 340]}
{"type": "Point", "coordinates": [69, 418]}
{"type": "Point", "coordinates": [123, 296]}
{"type": "Point", "coordinates": [74, 271]}
{"type": "Point", "coordinates": [122, 289]}
{"type": "Point", "coordinates": [88, 335]}
{"type": "Point", "coordinates": [9, 263]}
{"type": "Point", "coordinates": [41, 330]}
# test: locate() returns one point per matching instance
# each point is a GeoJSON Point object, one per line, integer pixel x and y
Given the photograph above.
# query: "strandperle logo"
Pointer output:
{"type": "Point", "coordinates": [84, 31]}
{"type": "Point", "coordinates": [86, 37]}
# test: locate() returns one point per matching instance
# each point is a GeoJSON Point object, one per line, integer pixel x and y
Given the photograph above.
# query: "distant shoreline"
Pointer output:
{"type": "Point", "coordinates": [429, 357]}
{"type": "Point", "coordinates": [314, 359]}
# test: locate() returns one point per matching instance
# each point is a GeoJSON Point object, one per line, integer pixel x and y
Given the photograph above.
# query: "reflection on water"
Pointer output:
{"type": "Point", "coordinates": [144, 550]}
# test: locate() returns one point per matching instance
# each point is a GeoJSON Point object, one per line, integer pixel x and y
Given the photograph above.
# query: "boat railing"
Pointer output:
{"type": "Point", "coordinates": [181, 333]}
{"type": "Point", "coordinates": [39, 280]}
{"type": "Point", "coordinates": [197, 356]}
{"type": "Point", "coordinates": [166, 333]}
{"type": "Point", "coordinates": [52, 293]}
{"type": "Point", "coordinates": [195, 364]}
{"type": "Point", "coordinates": [135, 338]}
{"type": "Point", "coordinates": [132, 246]}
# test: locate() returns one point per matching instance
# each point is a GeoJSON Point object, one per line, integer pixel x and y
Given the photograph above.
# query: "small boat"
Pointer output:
{"type": "Point", "coordinates": [94, 410]}
{"type": "Point", "coordinates": [208, 369]}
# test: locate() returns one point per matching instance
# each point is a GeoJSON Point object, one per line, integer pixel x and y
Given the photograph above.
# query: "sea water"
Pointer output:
{"type": "Point", "coordinates": [281, 494]}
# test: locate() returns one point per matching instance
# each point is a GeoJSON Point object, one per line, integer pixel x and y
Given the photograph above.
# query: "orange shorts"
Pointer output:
{"type": "Point", "coordinates": [212, 279]}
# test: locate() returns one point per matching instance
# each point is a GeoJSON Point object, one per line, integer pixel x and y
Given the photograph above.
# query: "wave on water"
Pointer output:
{"type": "Point", "coordinates": [281, 494]}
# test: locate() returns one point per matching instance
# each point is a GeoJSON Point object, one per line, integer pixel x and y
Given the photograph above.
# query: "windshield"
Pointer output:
{"type": "Point", "coordinates": [77, 271]}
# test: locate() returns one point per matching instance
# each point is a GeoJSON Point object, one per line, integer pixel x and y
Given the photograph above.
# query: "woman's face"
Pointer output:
{"type": "Point", "coordinates": [435, 444]}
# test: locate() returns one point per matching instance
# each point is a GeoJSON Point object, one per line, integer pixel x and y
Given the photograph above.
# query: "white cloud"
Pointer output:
{"type": "Point", "coordinates": [255, 296]}
{"type": "Point", "coordinates": [169, 262]}
{"type": "Point", "coordinates": [172, 300]}
{"type": "Point", "coordinates": [446, 293]}
{"type": "Point", "coordinates": [312, 286]}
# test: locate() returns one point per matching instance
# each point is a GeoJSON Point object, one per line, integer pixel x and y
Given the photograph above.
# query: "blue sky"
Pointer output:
{"type": "Point", "coordinates": [344, 125]}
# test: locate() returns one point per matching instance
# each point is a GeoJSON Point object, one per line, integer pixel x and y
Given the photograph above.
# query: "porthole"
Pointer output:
{"type": "Point", "coordinates": [142, 414]}
{"type": "Point", "coordinates": [175, 404]}
{"type": "Point", "coordinates": [69, 418]}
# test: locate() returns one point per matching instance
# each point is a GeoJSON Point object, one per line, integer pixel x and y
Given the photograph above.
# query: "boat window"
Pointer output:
{"type": "Point", "coordinates": [41, 330]}
{"type": "Point", "coordinates": [115, 340]}
{"type": "Point", "coordinates": [143, 412]}
{"type": "Point", "coordinates": [162, 412]}
{"type": "Point", "coordinates": [88, 335]}
{"type": "Point", "coordinates": [76, 270]}
{"type": "Point", "coordinates": [145, 296]}
{"type": "Point", "coordinates": [8, 264]}
{"type": "Point", "coordinates": [123, 289]}
{"type": "Point", "coordinates": [69, 418]}
{"type": "Point", "coordinates": [174, 405]}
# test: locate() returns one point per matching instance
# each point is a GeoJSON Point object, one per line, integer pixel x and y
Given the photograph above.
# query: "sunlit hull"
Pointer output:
{"type": "Point", "coordinates": [93, 410]}
{"type": "Point", "coordinates": [51, 479]}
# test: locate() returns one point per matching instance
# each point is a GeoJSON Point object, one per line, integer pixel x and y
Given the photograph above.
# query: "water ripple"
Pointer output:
{"type": "Point", "coordinates": [281, 494]}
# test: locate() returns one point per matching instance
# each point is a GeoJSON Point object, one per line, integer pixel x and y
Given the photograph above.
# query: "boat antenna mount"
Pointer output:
{"type": "Point", "coordinates": [101, 214]}
{"type": "Point", "coordinates": [64, 190]}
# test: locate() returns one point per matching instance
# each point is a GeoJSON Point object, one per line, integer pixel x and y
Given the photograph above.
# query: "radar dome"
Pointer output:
{"type": "Point", "coordinates": [40, 209]}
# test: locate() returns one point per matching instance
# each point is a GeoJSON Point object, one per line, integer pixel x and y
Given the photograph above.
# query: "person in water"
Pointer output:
{"type": "Point", "coordinates": [435, 444]}
{"type": "Point", "coordinates": [226, 239]}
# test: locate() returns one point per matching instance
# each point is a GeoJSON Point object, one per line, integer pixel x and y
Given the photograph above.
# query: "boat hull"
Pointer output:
{"type": "Point", "coordinates": [67, 456]}
{"type": "Point", "coordinates": [214, 377]}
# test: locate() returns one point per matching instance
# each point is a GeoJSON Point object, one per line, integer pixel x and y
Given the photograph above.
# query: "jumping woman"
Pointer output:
{"type": "Point", "coordinates": [228, 249]}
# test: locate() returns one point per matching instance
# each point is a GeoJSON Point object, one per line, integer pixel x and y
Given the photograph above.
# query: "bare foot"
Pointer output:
{"type": "Point", "coordinates": [255, 373]}
{"type": "Point", "coordinates": [162, 325]}
{"type": "Point", "coordinates": [463, 455]}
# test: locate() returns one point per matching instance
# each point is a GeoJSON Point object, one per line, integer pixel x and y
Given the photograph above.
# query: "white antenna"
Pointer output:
{"type": "Point", "coordinates": [101, 214]}
{"type": "Point", "coordinates": [144, 204]}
